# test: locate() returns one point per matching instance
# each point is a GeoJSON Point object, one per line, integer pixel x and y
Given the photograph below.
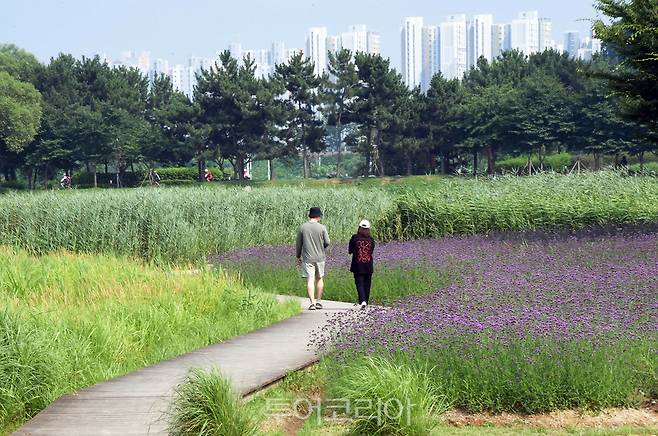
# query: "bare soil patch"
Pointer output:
{"type": "Point", "coordinates": [646, 417]}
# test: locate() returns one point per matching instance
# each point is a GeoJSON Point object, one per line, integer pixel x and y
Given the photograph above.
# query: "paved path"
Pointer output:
{"type": "Point", "coordinates": [134, 404]}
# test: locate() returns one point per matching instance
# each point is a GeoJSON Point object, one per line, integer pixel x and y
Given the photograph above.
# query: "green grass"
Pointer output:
{"type": "Point", "coordinates": [388, 284]}
{"type": "Point", "coordinates": [69, 321]}
{"type": "Point", "coordinates": [205, 405]}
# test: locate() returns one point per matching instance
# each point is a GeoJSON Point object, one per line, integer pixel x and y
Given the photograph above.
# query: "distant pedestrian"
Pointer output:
{"type": "Point", "coordinates": [66, 182]}
{"type": "Point", "coordinates": [208, 175]}
{"type": "Point", "coordinates": [624, 162]}
{"type": "Point", "coordinates": [312, 243]}
{"type": "Point", "coordinates": [362, 247]}
{"type": "Point", "coordinates": [155, 178]}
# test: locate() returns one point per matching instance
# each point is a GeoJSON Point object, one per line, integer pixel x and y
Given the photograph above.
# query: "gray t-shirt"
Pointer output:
{"type": "Point", "coordinates": [312, 240]}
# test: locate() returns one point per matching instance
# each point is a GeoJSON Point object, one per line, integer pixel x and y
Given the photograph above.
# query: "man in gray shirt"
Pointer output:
{"type": "Point", "coordinates": [312, 241]}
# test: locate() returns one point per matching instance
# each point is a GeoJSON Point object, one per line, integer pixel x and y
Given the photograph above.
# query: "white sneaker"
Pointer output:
{"type": "Point", "coordinates": [363, 305]}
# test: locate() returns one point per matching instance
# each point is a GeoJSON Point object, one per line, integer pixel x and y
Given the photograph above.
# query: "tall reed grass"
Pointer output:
{"type": "Point", "coordinates": [511, 203]}
{"type": "Point", "coordinates": [187, 224]}
{"type": "Point", "coordinates": [175, 224]}
{"type": "Point", "coordinates": [68, 321]}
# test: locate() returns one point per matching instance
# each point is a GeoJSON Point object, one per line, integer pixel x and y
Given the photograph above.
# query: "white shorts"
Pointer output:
{"type": "Point", "coordinates": [313, 269]}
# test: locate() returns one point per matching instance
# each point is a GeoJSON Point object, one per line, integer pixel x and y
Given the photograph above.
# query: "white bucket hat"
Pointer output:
{"type": "Point", "coordinates": [364, 224]}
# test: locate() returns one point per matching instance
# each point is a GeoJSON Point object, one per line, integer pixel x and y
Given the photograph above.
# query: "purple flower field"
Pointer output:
{"type": "Point", "coordinates": [567, 288]}
{"type": "Point", "coordinates": [558, 322]}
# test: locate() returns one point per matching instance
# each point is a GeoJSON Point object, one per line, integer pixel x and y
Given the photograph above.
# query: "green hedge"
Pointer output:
{"type": "Point", "coordinates": [169, 176]}
{"type": "Point", "coordinates": [555, 162]}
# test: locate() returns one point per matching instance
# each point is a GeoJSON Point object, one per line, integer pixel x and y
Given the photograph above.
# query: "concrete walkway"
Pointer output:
{"type": "Point", "coordinates": [135, 403]}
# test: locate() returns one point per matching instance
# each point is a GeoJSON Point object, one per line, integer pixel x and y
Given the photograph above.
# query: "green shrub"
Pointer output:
{"type": "Point", "coordinates": [554, 162]}
{"type": "Point", "coordinates": [393, 397]}
{"type": "Point", "coordinates": [205, 405]}
{"type": "Point", "coordinates": [649, 168]}
{"type": "Point", "coordinates": [14, 184]}
{"type": "Point", "coordinates": [189, 173]}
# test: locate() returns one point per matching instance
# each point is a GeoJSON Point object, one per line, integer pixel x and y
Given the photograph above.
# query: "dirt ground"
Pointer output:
{"type": "Point", "coordinates": [608, 418]}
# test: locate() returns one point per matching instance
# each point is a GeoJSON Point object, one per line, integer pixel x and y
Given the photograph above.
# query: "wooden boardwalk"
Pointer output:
{"type": "Point", "coordinates": [135, 404]}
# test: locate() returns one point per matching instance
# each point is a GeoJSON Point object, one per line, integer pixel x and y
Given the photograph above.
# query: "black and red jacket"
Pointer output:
{"type": "Point", "coordinates": [361, 248]}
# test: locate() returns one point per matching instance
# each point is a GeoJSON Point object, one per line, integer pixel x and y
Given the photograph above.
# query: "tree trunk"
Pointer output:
{"type": "Point", "coordinates": [641, 158]}
{"type": "Point", "coordinates": [201, 165]}
{"type": "Point", "coordinates": [132, 167]}
{"type": "Point", "coordinates": [240, 167]}
{"type": "Point", "coordinates": [444, 164]}
{"type": "Point", "coordinates": [378, 156]}
{"type": "Point", "coordinates": [597, 161]}
{"type": "Point", "coordinates": [339, 127]}
{"type": "Point", "coordinates": [270, 169]}
{"type": "Point", "coordinates": [88, 166]}
{"type": "Point", "coordinates": [95, 176]}
{"type": "Point", "coordinates": [491, 160]}
{"type": "Point", "coordinates": [409, 165]}
{"type": "Point", "coordinates": [305, 159]}
{"type": "Point", "coordinates": [46, 176]}
{"type": "Point", "coordinates": [475, 163]}
{"type": "Point", "coordinates": [30, 171]}
{"type": "Point", "coordinates": [105, 167]}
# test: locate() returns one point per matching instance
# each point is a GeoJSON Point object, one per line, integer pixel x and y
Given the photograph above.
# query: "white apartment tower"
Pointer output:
{"type": "Point", "coordinates": [355, 39]}
{"type": "Point", "coordinates": [480, 35]}
{"type": "Point", "coordinates": [179, 78]}
{"type": "Point", "coordinates": [374, 43]}
{"type": "Point", "coordinates": [546, 41]}
{"type": "Point", "coordinates": [278, 54]}
{"type": "Point", "coordinates": [333, 43]}
{"type": "Point", "coordinates": [501, 41]}
{"type": "Point", "coordinates": [235, 48]}
{"type": "Point", "coordinates": [431, 55]}
{"type": "Point", "coordinates": [525, 32]}
{"type": "Point", "coordinates": [360, 39]}
{"type": "Point", "coordinates": [412, 62]}
{"type": "Point", "coordinates": [453, 47]}
{"type": "Point", "coordinates": [316, 48]}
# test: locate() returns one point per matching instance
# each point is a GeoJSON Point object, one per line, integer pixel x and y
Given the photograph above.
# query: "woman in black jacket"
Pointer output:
{"type": "Point", "coordinates": [362, 246]}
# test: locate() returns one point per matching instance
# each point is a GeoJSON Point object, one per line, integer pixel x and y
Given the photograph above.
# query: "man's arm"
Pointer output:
{"type": "Point", "coordinates": [325, 236]}
{"type": "Point", "coordinates": [298, 244]}
{"type": "Point", "coordinates": [350, 248]}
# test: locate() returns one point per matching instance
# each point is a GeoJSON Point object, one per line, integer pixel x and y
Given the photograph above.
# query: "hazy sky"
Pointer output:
{"type": "Point", "coordinates": [177, 29]}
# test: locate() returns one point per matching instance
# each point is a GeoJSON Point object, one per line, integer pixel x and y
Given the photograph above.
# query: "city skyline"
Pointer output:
{"type": "Point", "coordinates": [177, 33]}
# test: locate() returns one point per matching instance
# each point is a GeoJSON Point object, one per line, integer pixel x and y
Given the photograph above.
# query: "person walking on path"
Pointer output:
{"type": "Point", "coordinates": [362, 247]}
{"type": "Point", "coordinates": [312, 243]}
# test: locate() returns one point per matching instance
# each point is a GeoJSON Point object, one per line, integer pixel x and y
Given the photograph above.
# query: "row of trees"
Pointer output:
{"type": "Point", "coordinates": [82, 113]}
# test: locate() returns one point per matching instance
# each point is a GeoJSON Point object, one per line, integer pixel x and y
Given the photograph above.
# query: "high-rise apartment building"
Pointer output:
{"type": "Point", "coordinates": [480, 34]}
{"type": "Point", "coordinates": [501, 39]}
{"type": "Point", "coordinates": [235, 48]}
{"type": "Point", "coordinates": [374, 43]}
{"type": "Point", "coordinates": [431, 55]}
{"type": "Point", "coordinates": [412, 51]}
{"type": "Point", "coordinates": [453, 46]}
{"type": "Point", "coordinates": [278, 53]}
{"type": "Point", "coordinates": [525, 32]}
{"type": "Point", "coordinates": [546, 41]}
{"type": "Point", "coordinates": [316, 48]}
{"type": "Point", "coordinates": [572, 43]}
{"type": "Point", "coordinates": [179, 78]}
{"type": "Point", "coordinates": [355, 39]}
{"type": "Point", "coordinates": [333, 43]}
